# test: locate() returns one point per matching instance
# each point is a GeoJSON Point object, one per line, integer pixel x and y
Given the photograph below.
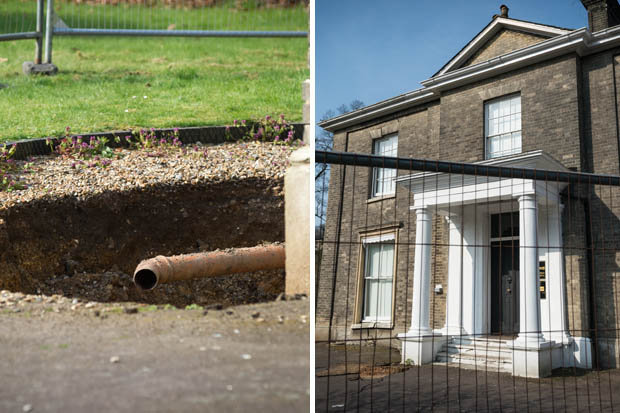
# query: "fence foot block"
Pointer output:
{"type": "Point", "coordinates": [31, 68]}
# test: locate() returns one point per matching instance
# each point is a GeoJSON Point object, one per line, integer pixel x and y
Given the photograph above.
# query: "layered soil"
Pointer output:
{"type": "Point", "coordinates": [112, 232]}
{"type": "Point", "coordinates": [81, 232]}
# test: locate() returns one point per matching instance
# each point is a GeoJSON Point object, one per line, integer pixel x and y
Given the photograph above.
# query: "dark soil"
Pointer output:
{"type": "Point", "coordinates": [89, 248]}
{"type": "Point", "coordinates": [118, 287]}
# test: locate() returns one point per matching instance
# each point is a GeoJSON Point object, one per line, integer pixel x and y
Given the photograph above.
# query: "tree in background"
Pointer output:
{"type": "Point", "coordinates": [325, 142]}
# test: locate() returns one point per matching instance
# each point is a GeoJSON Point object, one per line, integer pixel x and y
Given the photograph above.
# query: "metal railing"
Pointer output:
{"type": "Point", "coordinates": [467, 286]}
{"type": "Point", "coordinates": [19, 25]}
{"type": "Point", "coordinates": [181, 18]}
{"type": "Point", "coordinates": [150, 18]}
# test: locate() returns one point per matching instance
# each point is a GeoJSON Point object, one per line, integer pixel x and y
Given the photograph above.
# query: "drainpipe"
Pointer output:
{"type": "Point", "coordinates": [591, 283]}
{"type": "Point", "coordinates": [159, 270]}
{"type": "Point", "coordinates": [613, 69]}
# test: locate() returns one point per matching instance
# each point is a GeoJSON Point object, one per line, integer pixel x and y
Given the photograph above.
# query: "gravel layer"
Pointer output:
{"type": "Point", "coordinates": [18, 302]}
{"type": "Point", "coordinates": [53, 176]}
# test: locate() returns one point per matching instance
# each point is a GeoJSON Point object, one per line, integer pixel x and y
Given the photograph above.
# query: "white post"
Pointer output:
{"type": "Point", "coordinates": [454, 300]}
{"type": "Point", "coordinates": [420, 312]}
{"type": "Point", "coordinates": [555, 277]}
{"type": "Point", "coordinates": [475, 265]}
{"type": "Point", "coordinates": [529, 308]}
{"type": "Point", "coordinates": [531, 356]}
{"type": "Point", "coordinates": [420, 344]}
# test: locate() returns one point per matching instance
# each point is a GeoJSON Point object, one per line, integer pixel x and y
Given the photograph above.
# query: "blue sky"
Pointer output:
{"type": "Point", "coordinates": [373, 50]}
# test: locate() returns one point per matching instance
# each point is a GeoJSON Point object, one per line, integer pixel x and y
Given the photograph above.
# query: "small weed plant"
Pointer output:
{"type": "Point", "coordinates": [10, 170]}
{"type": "Point", "coordinates": [94, 151]}
{"type": "Point", "coordinates": [147, 139]}
{"type": "Point", "coordinates": [268, 129]}
{"type": "Point", "coordinates": [91, 152]}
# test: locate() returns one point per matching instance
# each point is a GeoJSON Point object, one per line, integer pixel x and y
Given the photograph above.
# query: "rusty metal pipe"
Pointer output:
{"type": "Point", "coordinates": [152, 272]}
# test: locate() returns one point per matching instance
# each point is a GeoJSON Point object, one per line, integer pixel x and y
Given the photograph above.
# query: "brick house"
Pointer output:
{"type": "Point", "coordinates": [410, 271]}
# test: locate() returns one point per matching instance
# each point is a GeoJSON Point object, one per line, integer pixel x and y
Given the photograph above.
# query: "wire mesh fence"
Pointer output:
{"type": "Point", "coordinates": [18, 20]}
{"type": "Point", "coordinates": [467, 286]}
{"type": "Point", "coordinates": [195, 18]}
{"type": "Point", "coordinates": [44, 19]}
{"type": "Point", "coordinates": [23, 20]}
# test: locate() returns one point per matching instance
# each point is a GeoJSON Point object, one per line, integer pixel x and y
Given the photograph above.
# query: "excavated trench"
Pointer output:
{"type": "Point", "coordinates": [88, 248]}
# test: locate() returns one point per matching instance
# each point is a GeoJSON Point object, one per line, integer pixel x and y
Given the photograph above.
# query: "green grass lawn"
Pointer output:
{"type": "Point", "coordinates": [103, 81]}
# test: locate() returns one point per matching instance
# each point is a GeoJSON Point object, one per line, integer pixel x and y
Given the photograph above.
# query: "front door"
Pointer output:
{"type": "Point", "coordinates": [505, 273]}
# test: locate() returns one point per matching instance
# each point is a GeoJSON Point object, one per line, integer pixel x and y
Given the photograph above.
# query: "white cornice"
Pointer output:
{"type": "Point", "coordinates": [441, 189]}
{"type": "Point", "coordinates": [533, 160]}
{"type": "Point", "coordinates": [382, 108]}
{"type": "Point", "coordinates": [579, 41]}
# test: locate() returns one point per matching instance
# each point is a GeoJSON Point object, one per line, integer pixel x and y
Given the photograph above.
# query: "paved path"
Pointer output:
{"type": "Point", "coordinates": [247, 358]}
{"type": "Point", "coordinates": [440, 388]}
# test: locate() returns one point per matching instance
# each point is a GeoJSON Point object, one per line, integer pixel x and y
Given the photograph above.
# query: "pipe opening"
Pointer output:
{"type": "Point", "coordinates": [145, 279]}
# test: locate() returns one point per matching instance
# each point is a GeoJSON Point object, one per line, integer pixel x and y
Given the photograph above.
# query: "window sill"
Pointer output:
{"type": "Point", "coordinates": [387, 325]}
{"type": "Point", "coordinates": [380, 198]}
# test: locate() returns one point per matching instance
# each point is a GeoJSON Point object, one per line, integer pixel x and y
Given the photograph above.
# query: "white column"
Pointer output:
{"type": "Point", "coordinates": [555, 277]}
{"type": "Point", "coordinates": [529, 308]}
{"type": "Point", "coordinates": [454, 300]}
{"type": "Point", "coordinates": [475, 264]}
{"type": "Point", "coordinates": [420, 311]}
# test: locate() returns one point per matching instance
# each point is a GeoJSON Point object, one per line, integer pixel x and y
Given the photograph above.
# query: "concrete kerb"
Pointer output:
{"type": "Point", "coordinates": [203, 134]}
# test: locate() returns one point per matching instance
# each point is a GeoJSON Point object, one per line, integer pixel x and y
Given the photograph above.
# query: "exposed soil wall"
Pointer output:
{"type": "Point", "coordinates": [53, 244]}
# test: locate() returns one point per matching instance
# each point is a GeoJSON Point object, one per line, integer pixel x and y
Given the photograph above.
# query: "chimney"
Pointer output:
{"type": "Point", "coordinates": [504, 10]}
{"type": "Point", "coordinates": [602, 14]}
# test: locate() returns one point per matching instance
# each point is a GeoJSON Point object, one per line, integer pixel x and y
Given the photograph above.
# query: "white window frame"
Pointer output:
{"type": "Point", "coordinates": [503, 126]}
{"type": "Point", "coordinates": [381, 239]}
{"type": "Point", "coordinates": [384, 175]}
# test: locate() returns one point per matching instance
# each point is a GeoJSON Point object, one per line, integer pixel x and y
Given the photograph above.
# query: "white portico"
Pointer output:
{"type": "Point", "coordinates": [505, 235]}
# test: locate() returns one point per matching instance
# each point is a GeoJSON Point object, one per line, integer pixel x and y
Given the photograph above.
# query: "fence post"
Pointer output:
{"type": "Point", "coordinates": [49, 29]}
{"type": "Point", "coordinates": [297, 222]}
{"type": "Point", "coordinates": [38, 55]}
{"type": "Point", "coordinates": [38, 67]}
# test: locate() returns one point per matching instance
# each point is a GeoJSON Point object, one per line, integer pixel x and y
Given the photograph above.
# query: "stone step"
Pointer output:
{"type": "Point", "coordinates": [481, 340]}
{"type": "Point", "coordinates": [479, 350]}
{"type": "Point", "coordinates": [483, 353]}
{"type": "Point", "coordinates": [476, 354]}
{"type": "Point", "coordinates": [480, 365]}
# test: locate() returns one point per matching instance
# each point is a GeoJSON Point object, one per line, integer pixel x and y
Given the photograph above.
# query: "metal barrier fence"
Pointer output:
{"type": "Point", "coordinates": [162, 18]}
{"type": "Point", "coordinates": [23, 21]}
{"type": "Point", "coordinates": [467, 286]}
{"type": "Point", "coordinates": [182, 18]}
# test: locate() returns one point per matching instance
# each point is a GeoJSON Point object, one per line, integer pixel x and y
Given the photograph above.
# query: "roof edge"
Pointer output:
{"type": "Point", "coordinates": [493, 28]}
{"type": "Point", "coordinates": [580, 41]}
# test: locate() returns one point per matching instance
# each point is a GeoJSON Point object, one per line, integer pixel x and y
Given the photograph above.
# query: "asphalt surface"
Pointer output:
{"type": "Point", "coordinates": [238, 359]}
{"type": "Point", "coordinates": [351, 383]}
